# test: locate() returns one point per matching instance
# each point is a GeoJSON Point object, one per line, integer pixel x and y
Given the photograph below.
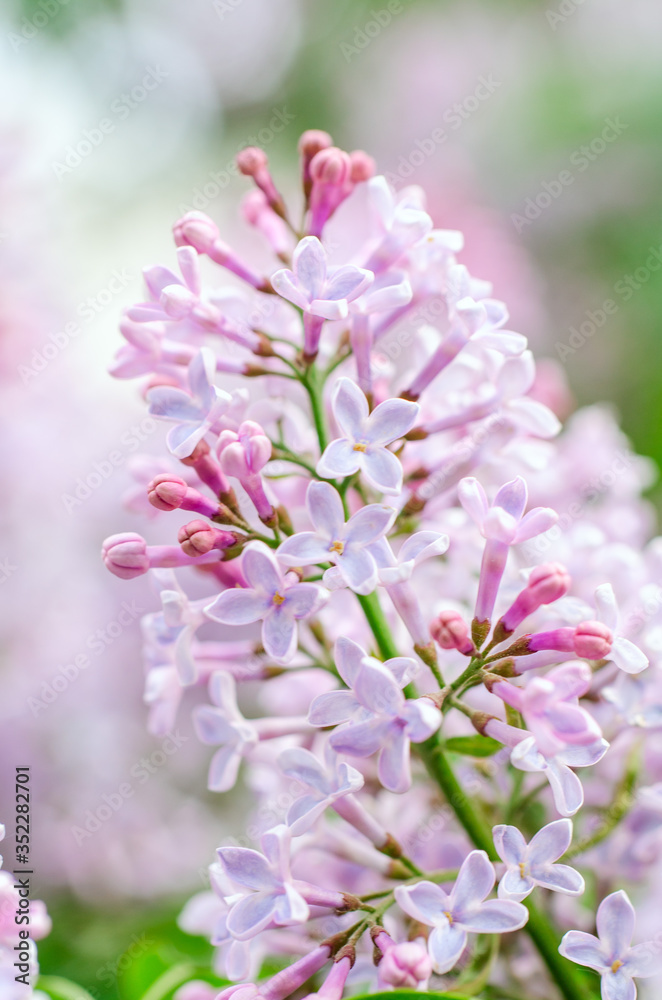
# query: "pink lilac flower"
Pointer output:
{"type": "Point", "coordinates": [365, 436]}
{"type": "Point", "coordinates": [194, 414]}
{"type": "Point", "coordinates": [376, 715]}
{"type": "Point", "coordinates": [326, 785]}
{"type": "Point", "coordinates": [550, 707]}
{"type": "Point", "coordinates": [502, 523]}
{"type": "Point", "coordinates": [610, 953]}
{"type": "Point", "coordinates": [462, 911]}
{"type": "Point", "coordinates": [533, 864]}
{"type": "Point", "coordinates": [345, 544]}
{"type": "Point", "coordinates": [321, 293]}
{"type": "Point", "coordinates": [275, 598]}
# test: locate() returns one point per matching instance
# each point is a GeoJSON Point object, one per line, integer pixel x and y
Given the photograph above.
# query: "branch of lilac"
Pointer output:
{"type": "Point", "coordinates": [363, 382]}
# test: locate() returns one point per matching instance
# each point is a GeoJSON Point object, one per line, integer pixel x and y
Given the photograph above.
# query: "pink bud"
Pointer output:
{"type": "Point", "coordinates": [197, 989]}
{"type": "Point", "coordinates": [312, 141]}
{"type": "Point", "coordinates": [363, 166]}
{"type": "Point", "coordinates": [244, 452]}
{"type": "Point", "coordinates": [125, 555]}
{"type": "Point", "coordinates": [547, 583]}
{"type": "Point", "coordinates": [405, 965]}
{"type": "Point", "coordinates": [592, 640]}
{"type": "Point", "coordinates": [331, 166]}
{"type": "Point", "coordinates": [450, 631]}
{"type": "Point", "coordinates": [199, 537]}
{"type": "Point", "coordinates": [251, 160]}
{"type": "Point", "coordinates": [197, 230]}
{"type": "Point", "coordinates": [167, 492]}
{"type": "Point", "coordinates": [177, 301]}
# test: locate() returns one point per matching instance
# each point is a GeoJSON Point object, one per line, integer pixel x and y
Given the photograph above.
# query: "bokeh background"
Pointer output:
{"type": "Point", "coordinates": [536, 127]}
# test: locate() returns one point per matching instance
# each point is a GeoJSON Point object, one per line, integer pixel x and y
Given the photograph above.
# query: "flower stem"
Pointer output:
{"type": "Point", "coordinates": [314, 385]}
{"type": "Point", "coordinates": [539, 928]}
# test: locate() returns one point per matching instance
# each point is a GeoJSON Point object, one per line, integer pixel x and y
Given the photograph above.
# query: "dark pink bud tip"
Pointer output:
{"type": "Point", "coordinates": [167, 492]}
{"type": "Point", "coordinates": [592, 640]}
{"type": "Point", "coordinates": [251, 160]}
{"type": "Point", "coordinates": [197, 230]}
{"type": "Point", "coordinates": [363, 166]}
{"type": "Point", "coordinates": [450, 631]}
{"type": "Point", "coordinates": [196, 538]}
{"type": "Point", "coordinates": [330, 166]}
{"type": "Point", "coordinates": [312, 141]}
{"type": "Point", "coordinates": [125, 555]}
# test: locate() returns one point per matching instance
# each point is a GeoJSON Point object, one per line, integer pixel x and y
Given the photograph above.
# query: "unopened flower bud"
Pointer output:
{"type": "Point", "coordinates": [593, 640]}
{"type": "Point", "coordinates": [331, 166]}
{"type": "Point", "coordinates": [405, 965]}
{"type": "Point", "coordinates": [363, 166]}
{"type": "Point", "coordinates": [169, 492]}
{"type": "Point", "coordinates": [125, 555]}
{"type": "Point", "coordinates": [450, 631]}
{"type": "Point", "coordinates": [547, 583]}
{"type": "Point", "coordinates": [198, 537]}
{"type": "Point", "coordinates": [244, 452]}
{"type": "Point", "coordinates": [197, 230]}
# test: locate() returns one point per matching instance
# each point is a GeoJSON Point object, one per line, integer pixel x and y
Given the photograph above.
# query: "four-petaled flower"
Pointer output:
{"type": "Point", "coordinates": [277, 599]}
{"type": "Point", "coordinates": [333, 540]}
{"type": "Point", "coordinates": [532, 864]}
{"type": "Point", "coordinates": [365, 436]}
{"type": "Point", "coordinates": [325, 784]}
{"type": "Point", "coordinates": [610, 953]}
{"type": "Point", "coordinates": [195, 415]}
{"type": "Point", "coordinates": [462, 911]}
{"type": "Point", "coordinates": [318, 290]}
{"type": "Point", "coordinates": [375, 714]}
{"type": "Point", "coordinates": [272, 897]}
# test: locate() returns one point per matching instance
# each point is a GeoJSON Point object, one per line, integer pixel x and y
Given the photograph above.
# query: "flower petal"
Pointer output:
{"type": "Point", "coordinates": [358, 569]}
{"type": "Point", "coordinates": [350, 408]}
{"type": "Point", "coordinates": [339, 459]}
{"type": "Point", "coordinates": [368, 524]}
{"type": "Point", "coordinates": [445, 946]}
{"type": "Point", "coordinates": [560, 878]}
{"type": "Point", "coordinates": [393, 766]}
{"type": "Point", "coordinates": [251, 915]}
{"type": "Point", "coordinates": [391, 420]}
{"type": "Point", "coordinates": [615, 923]}
{"type": "Point", "coordinates": [510, 844]}
{"type": "Point", "coordinates": [239, 606]}
{"type": "Point", "coordinates": [309, 265]}
{"type": "Point", "coordinates": [584, 949]}
{"type": "Point", "coordinates": [247, 867]}
{"type": "Point", "coordinates": [496, 916]}
{"type": "Point", "coordinates": [551, 842]}
{"type": "Point", "coordinates": [627, 656]}
{"type": "Point", "coordinates": [473, 498]}
{"type": "Point", "coordinates": [423, 901]}
{"type": "Point", "coordinates": [383, 470]}
{"type": "Point", "coordinates": [261, 569]}
{"type": "Point", "coordinates": [332, 708]}
{"type": "Point", "coordinates": [279, 634]}
{"type": "Point", "coordinates": [474, 881]}
{"type": "Point", "coordinates": [223, 769]}
{"type": "Point", "coordinates": [325, 509]}
{"type": "Point", "coordinates": [566, 788]}
{"type": "Point", "coordinates": [304, 549]}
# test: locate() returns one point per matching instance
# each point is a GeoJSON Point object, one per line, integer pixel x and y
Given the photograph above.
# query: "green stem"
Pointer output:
{"type": "Point", "coordinates": [312, 384]}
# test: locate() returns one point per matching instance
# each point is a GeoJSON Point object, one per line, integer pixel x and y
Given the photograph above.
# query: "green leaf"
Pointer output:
{"type": "Point", "coordinates": [62, 989]}
{"type": "Point", "coordinates": [473, 746]}
{"type": "Point", "coordinates": [171, 980]}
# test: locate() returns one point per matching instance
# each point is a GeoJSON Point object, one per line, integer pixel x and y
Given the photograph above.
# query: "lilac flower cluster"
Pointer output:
{"type": "Point", "coordinates": [425, 629]}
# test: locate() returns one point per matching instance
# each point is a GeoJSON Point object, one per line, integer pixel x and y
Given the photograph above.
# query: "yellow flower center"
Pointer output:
{"type": "Point", "coordinates": [615, 966]}
{"type": "Point", "coordinates": [277, 598]}
{"type": "Point", "coordinates": [449, 917]}
{"type": "Point", "coordinates": [522, 869]}
{"type": "Point", "coordinates": [338, 547]}
{"type": "Point", "coordinates": [360, 446]}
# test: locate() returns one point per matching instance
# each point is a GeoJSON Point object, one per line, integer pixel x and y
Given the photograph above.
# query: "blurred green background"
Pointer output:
{"type": "Point", "coordinates": [383, 78]}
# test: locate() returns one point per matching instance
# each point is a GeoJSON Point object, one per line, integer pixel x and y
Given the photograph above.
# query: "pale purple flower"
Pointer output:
{"type": "Point", "coordinates": [400, 219]}
{"type": "Point", "coordinates": [224, 726]}
{"type": "Point", "coordinates": [272, 898]}
{"type": "Point", "coordinates": [275, 598]}
{"type": "Point", "coordinates": [171, 297]}
{"type": "Point", "coordinates": [333, 540]}
{"type": "Point", "coordinates": [566, 786]}
{"type": "Point", "coordinates": [194, 414]}
{"type": "Point", "coordinates": [176, 624]}
{"type": "Point", "coordinates": [624, 653]}
{"type": "Point", "coordinates": [462, 911]}
{"type": "Point", "coordinates": [533, 864]}
{"type": "Point", "coordinates": [502, 523]}
{"type": "Point", "coordinates": [322, 293]}
{"type": "Point", "coordinates": [611, 953]}
{"type": "Point", "coordinates": [365, 436]}
{"type": "Point", "coordinates": [550, 707]}
{"type": "Point", "coordinates": [376, 715]}
{"type": "Point", "coordinates": [325, 784]}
